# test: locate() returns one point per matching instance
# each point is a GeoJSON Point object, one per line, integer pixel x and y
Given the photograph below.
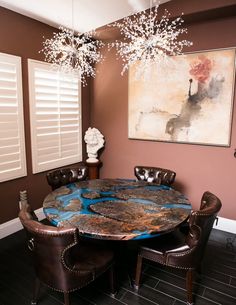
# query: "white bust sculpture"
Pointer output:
{"type": "Point", "coordinates": [94, 140]}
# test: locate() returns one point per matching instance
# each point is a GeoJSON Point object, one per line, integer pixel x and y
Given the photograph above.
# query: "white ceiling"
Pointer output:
{"type": "Point", "coordinates": [87, 14]}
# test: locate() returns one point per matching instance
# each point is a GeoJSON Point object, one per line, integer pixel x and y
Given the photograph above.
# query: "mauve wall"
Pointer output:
{"type": "Point", "coordinates": [23, 37]}
{"type": "Point", "coordinates": [199, 168]}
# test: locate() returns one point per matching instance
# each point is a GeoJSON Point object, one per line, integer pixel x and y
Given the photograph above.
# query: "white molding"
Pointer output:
{"type": "Point", "coordinates": [15, 225]}
{"type": "Point", "coordinates": [225, 224]}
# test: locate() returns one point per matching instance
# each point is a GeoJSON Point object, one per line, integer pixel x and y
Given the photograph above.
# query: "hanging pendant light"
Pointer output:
{"type": "Point", "coordinates": [149, 40]}
{"type": "Point", "coordinates": [73, 53]}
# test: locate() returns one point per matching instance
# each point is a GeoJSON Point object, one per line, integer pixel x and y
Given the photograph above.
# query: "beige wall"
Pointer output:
{"type": "Point", "coordinates": [199, 168]}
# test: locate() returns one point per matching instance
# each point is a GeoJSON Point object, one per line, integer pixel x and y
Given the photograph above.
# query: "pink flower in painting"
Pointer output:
{"type": "Point", "coordinates": [201, 68]}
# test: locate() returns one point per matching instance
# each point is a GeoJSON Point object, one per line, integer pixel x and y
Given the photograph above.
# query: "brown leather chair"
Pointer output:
{"type": "Point", "coordinates": [183, 251]}
{"type": "Point", "coordinates": [155, 175]}
{"type": "Point", "coordinates": [62, 262]}
{"type": "Point", "coordinates": [59, 177]}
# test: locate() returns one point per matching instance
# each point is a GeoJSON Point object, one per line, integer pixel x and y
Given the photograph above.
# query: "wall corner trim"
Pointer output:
{"type": "Point", "coordinates": [225, 224]}
{"type": "Point", "coordinates": [15, 225]}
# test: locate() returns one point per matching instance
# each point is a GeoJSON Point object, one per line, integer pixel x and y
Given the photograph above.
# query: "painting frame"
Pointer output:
{"type": "Point", "coordinates": [202, 111]}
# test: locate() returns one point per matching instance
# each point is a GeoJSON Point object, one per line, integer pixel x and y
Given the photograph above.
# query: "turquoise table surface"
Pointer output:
{"type": "Point", "coordinates": [117, 209]}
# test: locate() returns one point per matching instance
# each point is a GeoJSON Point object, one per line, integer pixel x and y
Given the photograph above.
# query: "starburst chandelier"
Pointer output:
{"type": "Point", "coordinates": [148, 40]}
{"type": "Point", "coordinates": [73, 53]}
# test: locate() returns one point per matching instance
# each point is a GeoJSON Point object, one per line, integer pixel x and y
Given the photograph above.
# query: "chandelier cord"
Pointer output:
{"type": "Point", "coordinates": [72, 16]}
{"type": "Point", "coordinates": [150, 11]}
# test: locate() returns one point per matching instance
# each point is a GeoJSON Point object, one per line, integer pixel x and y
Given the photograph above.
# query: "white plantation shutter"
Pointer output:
{"type": "Point", "coordinates": [55, 115]}
{"type": "Point", "coordinates": [12, 140]}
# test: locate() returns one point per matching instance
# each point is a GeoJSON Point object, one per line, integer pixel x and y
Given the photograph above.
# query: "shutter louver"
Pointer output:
{"type": "Point", "coordinates": [55, 117]}
{"type": "Point", "coordinates": [12, 141]}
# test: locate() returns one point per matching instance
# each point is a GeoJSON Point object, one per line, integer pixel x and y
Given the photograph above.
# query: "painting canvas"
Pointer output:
{"type": "Point", "coordinates": [188, 101]}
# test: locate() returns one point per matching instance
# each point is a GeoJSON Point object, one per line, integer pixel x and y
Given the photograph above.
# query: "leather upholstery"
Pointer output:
{"type": "Point", "coordinates": [206, 216]}
{"type": "Point", "coordinates": [59, 177]}
{"type": "Point", "coordinates": [155, 175]}
{"type": "Point", "coordinates": [173, 250]}
{"type": "Point", "coordinates": [183, 250]}
{"type": "Point", "coordinates": [61, 260]}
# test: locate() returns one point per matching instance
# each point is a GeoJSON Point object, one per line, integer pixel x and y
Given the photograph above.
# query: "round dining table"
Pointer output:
{"type": "Point", "coordinates": [117, 209]}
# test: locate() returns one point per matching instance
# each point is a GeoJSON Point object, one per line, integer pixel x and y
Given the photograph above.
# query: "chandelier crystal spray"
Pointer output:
{"type": "Point", "coordinates": [73, 54]}
{"type": "Point", "coordinates": [149, 40]}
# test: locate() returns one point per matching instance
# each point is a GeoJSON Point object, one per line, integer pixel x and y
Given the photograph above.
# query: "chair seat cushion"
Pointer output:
{"type": "Point", "coordinates": [92, 258]}
{"type": "Point", "coordinates": [156, 248]}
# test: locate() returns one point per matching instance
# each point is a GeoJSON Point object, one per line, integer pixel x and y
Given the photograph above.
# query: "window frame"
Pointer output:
{"type": "Point", "coordinates": [11, 174]}
{"type": "Point", "coordinates": [36, 167]}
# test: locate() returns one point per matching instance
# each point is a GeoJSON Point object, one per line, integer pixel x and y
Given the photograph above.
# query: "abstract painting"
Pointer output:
{"type": "Point", "coordinates": [188, 101]}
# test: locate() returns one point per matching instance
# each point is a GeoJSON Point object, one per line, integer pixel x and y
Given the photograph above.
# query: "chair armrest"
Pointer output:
{"type": "Point", "coordinates": [67, 260]}
{"type": "Point", "coordinates": [177, 250]}
{"type": "Point", "coordinates": [187, 255]}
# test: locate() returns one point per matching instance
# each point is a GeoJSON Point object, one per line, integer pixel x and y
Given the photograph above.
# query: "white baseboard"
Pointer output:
{"type": "Point", "coordinates": [225, 224]}
{"type": "Point", "coordinates": [15, 225]}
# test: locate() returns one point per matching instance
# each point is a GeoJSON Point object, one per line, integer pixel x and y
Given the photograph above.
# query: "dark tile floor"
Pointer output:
{"type": "Point", "coordinates": [160, 285]}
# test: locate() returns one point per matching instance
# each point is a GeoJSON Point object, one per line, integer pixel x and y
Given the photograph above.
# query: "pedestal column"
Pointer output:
{"type": "Point", "coordinates": [93, 169]}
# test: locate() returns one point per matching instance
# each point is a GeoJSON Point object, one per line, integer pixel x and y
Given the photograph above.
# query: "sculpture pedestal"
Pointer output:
{"type": "Point", "coordinates": [93, 169]}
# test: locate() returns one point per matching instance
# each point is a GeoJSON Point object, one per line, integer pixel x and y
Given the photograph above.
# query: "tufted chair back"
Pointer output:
{"type": "Point", "coordinates": [59, 177]}
{"type": "Point", "coordinates": [155, 174]}
{"type": "Point", "coordinates": [206, 216]}
{"type": "Point", "coordinates": [61, 261]}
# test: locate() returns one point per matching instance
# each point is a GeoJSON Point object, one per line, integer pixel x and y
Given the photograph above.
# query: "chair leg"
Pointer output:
{"type": "Point", "coordinates": [36, 291]}
{"type": "Point", "coordinates": [189, 286]}
{"type": "Point", "coordinates": [138, 272]}
{"type": "Point", "coordinates": [112, 281]}
{"type": "Point", "coordinates": [66, 298]}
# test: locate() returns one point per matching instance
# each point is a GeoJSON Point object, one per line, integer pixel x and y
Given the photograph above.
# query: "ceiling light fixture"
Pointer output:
{"type": "Point", "coordinates": [149, 40]}
{"type": "Point", "coordinates": [73, 53]}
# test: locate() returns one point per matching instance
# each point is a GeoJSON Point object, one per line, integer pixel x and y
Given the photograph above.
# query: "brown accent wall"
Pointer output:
{"type": "Point", "coordinates": [211, 24]}
{"type": "Point", "coordinates": [23, 36]}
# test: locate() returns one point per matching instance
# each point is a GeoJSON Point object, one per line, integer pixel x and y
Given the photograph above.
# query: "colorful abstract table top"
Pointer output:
{"type": "Point", "coordinates": [117, 209]}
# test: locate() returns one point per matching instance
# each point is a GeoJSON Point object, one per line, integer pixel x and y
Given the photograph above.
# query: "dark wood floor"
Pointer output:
{"type": "Point", "coordinates": [160, 285]}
